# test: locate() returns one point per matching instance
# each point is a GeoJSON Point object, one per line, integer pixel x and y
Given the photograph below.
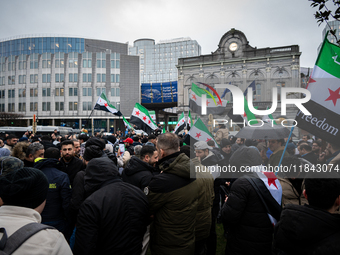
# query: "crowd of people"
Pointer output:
{"type": "Point", "coordinates": [131, 193]}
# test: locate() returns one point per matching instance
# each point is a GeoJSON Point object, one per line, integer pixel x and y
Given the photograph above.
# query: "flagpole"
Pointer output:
{"type": "Point", "coordinates": [284, 151]}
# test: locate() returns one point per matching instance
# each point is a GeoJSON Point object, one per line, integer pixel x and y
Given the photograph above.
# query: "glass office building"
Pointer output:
{"type": "Point", "coordinates": [158, 61]}
{"type": "Point", "coordinates": [60, 79]}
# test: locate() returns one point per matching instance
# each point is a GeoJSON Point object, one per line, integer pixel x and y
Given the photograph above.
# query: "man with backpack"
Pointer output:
{"type": "Point", "coordinates": [24, 193]}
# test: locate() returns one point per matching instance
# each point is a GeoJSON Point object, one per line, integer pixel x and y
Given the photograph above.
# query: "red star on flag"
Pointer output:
{"type": "Point", "coordinates": [137, 113]}
{"type": "Point", "coordinates": [198, 135]}
{"type": "Point", "coordinates": [311, 80]}
{"type": "Point", "coordinates": [208, 102]}
{"type": "Point", "coordinates": [105, 104]}
{"type": "Point", "coordinates": [208, 139]}
{"type": "Point", "coordinates": [333, 95]}
{"type": "Point", "coordinates": [144, 118]}
{"type": "Point", "coordinates": [194, 97]}
{"type": "Point", "coordinates": [244, 115]}
{"type": "Point", "coordinates": [182, 120]}
{"type": "Point", "coordinates": [178, 124]}
{"type": "Point", "coordinates": [271, 178]}
{"type": "Point", "coordinates": [219, 103]}
{"type": "Point", "coordinates": [149, 122]}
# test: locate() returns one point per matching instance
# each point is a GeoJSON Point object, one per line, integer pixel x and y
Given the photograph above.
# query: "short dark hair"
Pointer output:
{"type": "Point", "coordinates": [152, 136]}
{"type": "Point", "coordinates": [11, 136]}
{"type": "Point", "coordinates": [308, 137]}
{"type": "Point", "coordinates": [136, 138]}
{"type": "Point", "coordinates": [282, 141]}
{"type": "Point", "coordinates": [46, 138]}
{"type": "Point", "coordinates": [322, 193]}
{"type": "Point", "coordinates": [52, 152]}
{"type": "Point", "coordinates": [168, 141]}
{"type": "Point", "coordinates": [83, 137]}
{"type": "Point", "coordinates": [66, 142]}
{"type": "Point", "coordinates": [318, 143]}
{"type": "Point", "coordinates": [306, 147]}
{"type": "Point", "coordinates": [211, 143]}
{"type": "Point", "coordinates": [186, 149]}
{"type": "Point", "coordinates": [147, 150]}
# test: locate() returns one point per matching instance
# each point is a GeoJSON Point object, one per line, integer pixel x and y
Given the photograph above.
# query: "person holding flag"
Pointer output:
{"type": "Point", "coordinates": [141, 118]}
{"type": "Point", "coordinates": [181, 124]}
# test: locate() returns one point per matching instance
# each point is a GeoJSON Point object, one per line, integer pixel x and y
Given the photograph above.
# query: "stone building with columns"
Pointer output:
{"type": "Point", "coordinates": [236, 62]}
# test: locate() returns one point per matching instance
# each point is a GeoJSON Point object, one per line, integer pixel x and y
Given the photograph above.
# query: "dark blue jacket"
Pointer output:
{"type": "Point", "coordinates": [59, 192]}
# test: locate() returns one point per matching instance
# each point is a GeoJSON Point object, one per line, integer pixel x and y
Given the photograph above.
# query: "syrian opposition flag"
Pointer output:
{"type": "Point", "coordinates": [127, 124]}
{"type": "Point", "coordinates": [199, 132]}
{"type": "Point", "coordinates": [247, 115]}
{"type": "Point", "coordinates": [104, 105]}
{"type": "Point", "coordinates": [269, 118]}
{"type": "Point", "coordinates": [189, 122]}
{"type": "Point", "coordinates": [272, 184]}
{"type": "Point", "coordinates": [324, 105]}
{"type": "Point", "coordinates": [215, 105]}
{"type": "Point", "coordinates": [180, 124]}
{"type": "Point", "coordinates": [152, 115]}
{"type": "Point", "coordinates": [141, 118]}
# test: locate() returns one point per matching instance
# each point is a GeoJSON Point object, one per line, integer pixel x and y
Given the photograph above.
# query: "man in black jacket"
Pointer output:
{"type": "Point", "coordinates": [313, 228]}
{"type": "Point", "coordinates": [139, 172]}
{"type": "Point", "coordinates": [113, 218]}
{"type": "Point", "coordinates": [249, 230]}
{"type": "Point", "coordinates": [69, 163]}
{"type": "Point", "coordinates": [305, 151]}
{"type": "Point", "coordinates": [59, 193]}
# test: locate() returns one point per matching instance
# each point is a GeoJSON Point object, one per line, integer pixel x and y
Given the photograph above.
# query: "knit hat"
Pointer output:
{"type": "Point", "coordinates": [26, 187]}
{"type": "Point", "coordinates": [111, 138]}
{"type": "Point", "coordinates": [95, 141]}
{"type": "Point", "coordinates": [9, 164]}
{"type": "Point", "coordinates": [91, 152]}
{"type": "Point", "coordinates": [23, 139]}
{"type": "Point", "coordinates": [4, 152]}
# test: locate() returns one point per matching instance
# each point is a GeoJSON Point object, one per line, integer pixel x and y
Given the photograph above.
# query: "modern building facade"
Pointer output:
{"type": "Point", "coordinates": [236, 62]}
{"type": "Point", "coordinates": [158, 61]}
{"type": "Point", "coordinates": [335, 24]}
{"type": "Point", "coordinates": [60, 79]}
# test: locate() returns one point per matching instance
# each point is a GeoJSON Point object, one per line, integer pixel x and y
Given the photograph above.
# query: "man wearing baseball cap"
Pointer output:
{"type": "Point", "coordinates": [24, 193]}
{"type": "Point", "coordinates": [128, 146]}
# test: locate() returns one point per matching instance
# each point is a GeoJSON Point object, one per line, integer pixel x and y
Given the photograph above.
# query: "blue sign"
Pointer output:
{"type": "Point", "coordinates": [159, 92]}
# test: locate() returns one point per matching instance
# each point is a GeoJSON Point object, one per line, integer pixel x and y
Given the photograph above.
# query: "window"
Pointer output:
{"type": "Point", "coordinates": [59, 60]}
{"type": "Point", "coordinates": [87, 106]}
{"type": "Point", "coordinates": [73, 106]}
{"type": "Point", "coordinates": [34, 92]}
{"type": "Point", "coordinates": [11, 80]}
{"type": "Point", "coordinates": [84, 77]}
{"type": "Point", "coordinates": [75, 77]}
{"type": "Point", "coordinates": [22, 107]}
{"type": "Point", "coordinates": [11, 93]}
{"type": "Point", "coordinates": [22, 62]}
{"type": "Point", "coordinates": [73, 60]}
{"type": "Point", "coordinates": [279, 85]}
{"type": "Point", "coordinates": [22, 92]}
{"type": "Point", "coordinates": [46, 62]}
{"type": "Point", "coordinates": [99, 77]}
{"type": "Point", "coordinates": [113, 77]}
{"type": "Point", "coordinates": [103, 77]}
{"type": "Point", "coordinates": [46, 92]}
{"type": "Point", "coordinates": [33, 106]}
{"type": "Point", "coordinates": [117, 92]}
{"type": "Point", "coordinates": [89, 77]}
{"type": "Point", "coordinates": [73, 91]}
{"type": "Point", "coordinates": [34, 61]}
{"type": "Point", "coordinates": [70, 79]}
{"type": "Point", "coordinates": [117, 78]}
{"type": "Point", "coordinates": [2, 93]}
{"type": "Point", "coordinates": [59, 106]}
{"type": "Point", "coordinates": [46, 106]}
{"type": "Point", "coordinates": [2, 107]}
{"type": "Point", "coordinates": [59, 92]}
{"type": "Point", "coordinates": [22, 79]}
{"type": "Point", "coordinates": [2, 80]}
{"type": "Point", "coordinates": [117, 64]}
{"type": "Point", "coordinates": [33, 78]}
{"type": "Point", "coordinates": [257, 92]}
{"type": "Point", "coordinates": [11, 63]}
{"type": "Point", "coordinates": [46, 78]}
{"type": "Point", "coordinates": [87, 59]}
{"type": "Point", "coordinates": [11, 107]}
{"type": "Point", "coordinates": [113, 92]}
{"type": "Point", "coordinates": [101, 60]}
{"type": "Point", "coordinates": [56, 77]}
{"type": "Point", "coordinates": [87, 91]}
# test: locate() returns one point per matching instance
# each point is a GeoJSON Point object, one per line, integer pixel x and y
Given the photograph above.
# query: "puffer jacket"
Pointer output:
{"type": "Point", "coordinates": [114, 217]}
{"type": "Point", "coordinates": [307, 230]}
{"type": "Point", "coordinates": [138, 173]}
{"type": "Point", "coordinates": [173, 199]}
{"type": "Point", "coordinates": [206, 195]}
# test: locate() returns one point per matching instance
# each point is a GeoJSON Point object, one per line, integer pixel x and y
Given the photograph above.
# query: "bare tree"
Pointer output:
{"type": "Point", "coordinates": [7, 117]}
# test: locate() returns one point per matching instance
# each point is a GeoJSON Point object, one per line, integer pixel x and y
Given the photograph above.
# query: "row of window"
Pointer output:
{"type": "Point", "coordinates": [59, 63]}
{"type": "Point", "coordinates": [46, 92]}
{"type": "Point", "coordinates": [46, 106]}
{"type": "Point", "coordinates": [59, 77]}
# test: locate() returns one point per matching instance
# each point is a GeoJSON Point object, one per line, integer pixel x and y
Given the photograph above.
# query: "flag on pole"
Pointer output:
{"type": "Point", "coordinates": [214, 104]}
{"type": "Point", "coordinates": [127, 124]}
{"type": "Point", "coordinates": [180, 124]}
{"type": "Point", "coordinates": [103, 104]}
{"type": "Point", "coordinates": [141, 118]}
{"type": "Point", "coordinates": [247, 115]}
{"type": "Point", "coordinates": [189, 122]}
{"type": "Point", "coordinates": [199, 132]}
{"type": "Point", "coordinates": [324, 105]}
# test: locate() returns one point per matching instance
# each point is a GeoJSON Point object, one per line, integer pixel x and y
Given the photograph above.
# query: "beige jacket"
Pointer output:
{"type": "Point", "coordinates": [221, 133]}
{"type": "Point", "coordinates": [48, 241]}
{"type": "Point", "coordinates": [290, 194]}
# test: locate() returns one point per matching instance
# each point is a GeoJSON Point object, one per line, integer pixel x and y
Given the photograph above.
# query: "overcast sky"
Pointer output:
{"type": "Point", "coordinates": [266, 23]}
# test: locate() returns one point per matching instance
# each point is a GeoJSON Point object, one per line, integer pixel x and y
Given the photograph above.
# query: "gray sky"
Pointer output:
{"type": "Point", "coordinates": [266, 23]}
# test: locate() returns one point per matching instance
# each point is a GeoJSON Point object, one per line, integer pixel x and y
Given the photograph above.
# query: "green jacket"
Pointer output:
{"type": "Point", "coordinates": [173, 200]}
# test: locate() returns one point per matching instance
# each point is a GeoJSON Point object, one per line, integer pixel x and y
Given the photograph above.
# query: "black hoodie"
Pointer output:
{"type": "Point", "coordinates": [138, 173]}
{"type": "Point", "coordinates": [307, 230]}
